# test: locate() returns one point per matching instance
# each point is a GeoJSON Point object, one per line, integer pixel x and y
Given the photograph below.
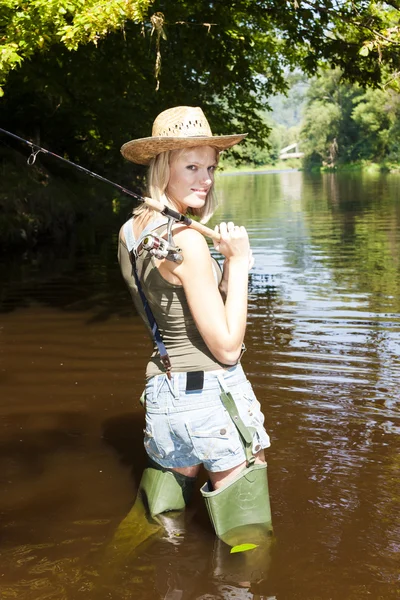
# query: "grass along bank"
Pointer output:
{"type": "Point", "coordinates": [294, 164]}
{"type": "Point", "coordinates": [365, 166]}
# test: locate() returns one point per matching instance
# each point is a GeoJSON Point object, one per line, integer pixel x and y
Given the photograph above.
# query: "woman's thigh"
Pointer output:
{"type": "Point", "coordinates": [221, 478]}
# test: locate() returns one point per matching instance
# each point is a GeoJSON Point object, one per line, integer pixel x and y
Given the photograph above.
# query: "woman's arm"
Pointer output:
{"type": "Point", "coordinates": [223, 286]}
{"type": "Point", "coordinates": [222, 326]}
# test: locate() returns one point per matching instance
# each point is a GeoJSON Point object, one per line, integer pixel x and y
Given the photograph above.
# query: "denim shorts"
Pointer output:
{"type": "Point", "coordinates": [186, 428]}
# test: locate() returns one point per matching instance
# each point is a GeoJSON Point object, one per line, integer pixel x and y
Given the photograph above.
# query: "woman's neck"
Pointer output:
{"type": "Point", "coordinates": [181, 208]}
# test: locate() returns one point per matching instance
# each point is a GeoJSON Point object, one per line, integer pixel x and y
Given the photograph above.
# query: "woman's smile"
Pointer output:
{"type": "Point", "coordinates": [200, 192]}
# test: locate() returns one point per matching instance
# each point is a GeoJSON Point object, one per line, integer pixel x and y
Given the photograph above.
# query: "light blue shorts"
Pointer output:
{"type": "Point", "coordinates": [184, 429]}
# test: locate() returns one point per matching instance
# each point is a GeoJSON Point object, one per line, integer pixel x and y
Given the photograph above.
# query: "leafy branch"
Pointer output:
{"type": "Point", "coordinates": [29, 27]}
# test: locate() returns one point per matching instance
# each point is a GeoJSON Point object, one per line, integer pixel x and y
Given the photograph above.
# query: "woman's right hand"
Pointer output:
{"type": "Point", "coordinates": [234, 242]}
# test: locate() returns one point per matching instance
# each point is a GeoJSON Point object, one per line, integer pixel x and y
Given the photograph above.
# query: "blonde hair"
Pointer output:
{"type": "Point", "coordinates": [157, 182]}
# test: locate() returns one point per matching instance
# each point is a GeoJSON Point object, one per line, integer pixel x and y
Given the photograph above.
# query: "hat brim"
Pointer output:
{"type": "Point", "coordinates": [143, 150]}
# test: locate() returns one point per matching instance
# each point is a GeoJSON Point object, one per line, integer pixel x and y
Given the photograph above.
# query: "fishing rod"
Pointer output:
{"type": "Point", "coordinates": [154, 204]}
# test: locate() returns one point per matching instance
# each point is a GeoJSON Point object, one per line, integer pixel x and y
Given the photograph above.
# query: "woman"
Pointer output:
{"type": "Point", "coordinates": [201, 313]}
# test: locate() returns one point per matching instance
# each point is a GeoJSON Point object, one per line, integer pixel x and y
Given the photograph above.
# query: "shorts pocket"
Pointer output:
{"type": "Point", "coordinates": [214, 435]}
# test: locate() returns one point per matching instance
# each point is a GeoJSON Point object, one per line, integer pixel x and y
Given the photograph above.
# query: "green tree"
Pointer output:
{"type": "Point", "coordinates": [29, 27]}
{"type": "Point", "coordinates": [250, 40]}
{"type": "Point", "coordinates": [345, 123]}
{"type": "Point", "coordinates": [328, 132]}
{"type": "Point", "coordinates": [374, 27]}
{"type": "Point", "coordinates": [320, 132]}
{"type": "Point", "coordinates": [375, 116]}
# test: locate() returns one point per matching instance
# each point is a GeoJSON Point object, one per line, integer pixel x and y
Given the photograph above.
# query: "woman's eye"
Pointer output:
{"type": "Point", "coordinates": [191, 167]}
{"type": "Point", "coordinates": [212, 169]}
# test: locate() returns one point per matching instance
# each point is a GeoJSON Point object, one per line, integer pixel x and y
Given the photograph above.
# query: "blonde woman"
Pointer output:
{"type": "Point", "coordinates": [200, 313]}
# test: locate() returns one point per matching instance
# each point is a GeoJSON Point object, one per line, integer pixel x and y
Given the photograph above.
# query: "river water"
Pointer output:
{"type": "Point", "coordinates": [323, 347]}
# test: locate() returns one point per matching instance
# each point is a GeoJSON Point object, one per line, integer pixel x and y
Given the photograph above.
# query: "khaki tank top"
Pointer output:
{"type": "Point", "coordinates": [186, 348]}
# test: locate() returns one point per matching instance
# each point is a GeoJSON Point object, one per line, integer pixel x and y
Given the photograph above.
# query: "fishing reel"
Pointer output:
{"type": "Point", "coordinates": [161, 248]}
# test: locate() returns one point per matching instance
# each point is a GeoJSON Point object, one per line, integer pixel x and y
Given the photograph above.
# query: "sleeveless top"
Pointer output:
{"type": "Point", "coordinates": [186, 348]}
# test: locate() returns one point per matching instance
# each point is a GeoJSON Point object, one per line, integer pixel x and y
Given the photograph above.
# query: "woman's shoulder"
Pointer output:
{"type": "Point", "coordinates": [189, 239]}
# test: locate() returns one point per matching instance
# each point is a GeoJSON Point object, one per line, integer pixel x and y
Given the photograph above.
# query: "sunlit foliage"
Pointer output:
{"type": "Point", "coordinates": [28, 27]}
{"type": "Point", "coordinates": [345, 123]}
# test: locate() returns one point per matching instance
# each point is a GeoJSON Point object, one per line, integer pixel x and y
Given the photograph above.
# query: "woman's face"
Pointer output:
{"type": "Point", "coordinates": [191, 176]}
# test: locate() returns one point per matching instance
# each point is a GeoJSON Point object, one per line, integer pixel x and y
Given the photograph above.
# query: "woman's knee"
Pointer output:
{"type": "Point", "coordinates": [187, 471]}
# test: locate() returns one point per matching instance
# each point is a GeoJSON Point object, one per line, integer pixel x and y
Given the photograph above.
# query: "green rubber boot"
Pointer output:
{"type": "Point", "coordinates": [240, 511]}
{"type": "Point", "coordinates": [163, 490]}
{"type": "Point", "coordinates": [250, 567]}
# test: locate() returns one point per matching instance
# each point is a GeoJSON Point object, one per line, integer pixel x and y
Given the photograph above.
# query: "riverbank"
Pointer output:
{"type": "Point", "coordinates": [247, 168]}
{"type": "Point", "coordinates": [365, 166]}
{"type": "Point", "coordinates": [250, 171]}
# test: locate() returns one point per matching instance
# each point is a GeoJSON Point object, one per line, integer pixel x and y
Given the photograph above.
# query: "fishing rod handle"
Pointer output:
{"type": "Point", "coordinates": [207, 231]}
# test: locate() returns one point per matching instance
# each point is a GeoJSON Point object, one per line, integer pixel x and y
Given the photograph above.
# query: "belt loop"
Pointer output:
{"type": "Point", "coordinates": [173, 384]}
{"type": "Point", "coordinates": [176, 386]}
{"type": "Point", "coordinates": [157, 385]}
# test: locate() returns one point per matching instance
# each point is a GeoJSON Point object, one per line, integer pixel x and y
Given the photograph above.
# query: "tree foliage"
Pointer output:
{"type": "Point", "coordinates": [29, 27]}
{"type": "Point", "coordinates": [344, 122]}
{"type": "Point", "coordinates": [375, 26]}
{"type": "Point", "coordinates": [228, 57]}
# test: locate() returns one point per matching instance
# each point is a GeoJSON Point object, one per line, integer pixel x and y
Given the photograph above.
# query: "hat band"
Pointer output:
{"type": "Point", "coordinates": [182, 137]}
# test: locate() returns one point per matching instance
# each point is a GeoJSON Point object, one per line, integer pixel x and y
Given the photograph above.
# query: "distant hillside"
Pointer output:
{"type": "Point", "coordinates": [287, 110]}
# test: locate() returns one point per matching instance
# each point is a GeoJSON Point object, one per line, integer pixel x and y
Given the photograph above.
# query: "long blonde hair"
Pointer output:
{"type": "Point", "coordinates": [157, 182]}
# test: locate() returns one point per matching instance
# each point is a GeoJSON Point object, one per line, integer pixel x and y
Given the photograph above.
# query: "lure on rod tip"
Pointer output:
{"type": "Point", "coordinates": [154, 204]}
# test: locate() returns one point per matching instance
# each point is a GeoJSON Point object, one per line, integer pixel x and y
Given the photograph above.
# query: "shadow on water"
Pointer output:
{"type": "Point", "coordinates": [124, 433]}
{"type": "Point", "coordinates": [42, 436]}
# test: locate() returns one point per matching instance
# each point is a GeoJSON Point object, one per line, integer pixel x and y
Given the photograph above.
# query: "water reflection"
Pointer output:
{"type": "Point", "coordinates": [323, 355]}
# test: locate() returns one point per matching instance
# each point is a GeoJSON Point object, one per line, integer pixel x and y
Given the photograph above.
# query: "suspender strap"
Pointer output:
{"type": "Point", "coordinates": [130, 241]}
{"type": "Point", "coordinates": [128, 234]}
{"type": "Point", "coordinates": [152, 322]}
{"type": "Point", "coordinates": [132, 245]}
{"type": "Point", "coordinates": [245, 433]}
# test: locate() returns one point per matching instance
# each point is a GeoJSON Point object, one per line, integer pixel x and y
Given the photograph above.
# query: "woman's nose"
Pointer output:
{"type": "Point", "coordinates": [205, 177]}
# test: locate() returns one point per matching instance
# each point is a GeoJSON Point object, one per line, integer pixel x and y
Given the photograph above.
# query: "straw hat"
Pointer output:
{"type": "Point", "coordinates": [179, 127]}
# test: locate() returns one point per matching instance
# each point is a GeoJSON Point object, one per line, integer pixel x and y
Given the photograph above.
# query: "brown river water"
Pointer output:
{"type": "Point", "coordinates": [323, 355]}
